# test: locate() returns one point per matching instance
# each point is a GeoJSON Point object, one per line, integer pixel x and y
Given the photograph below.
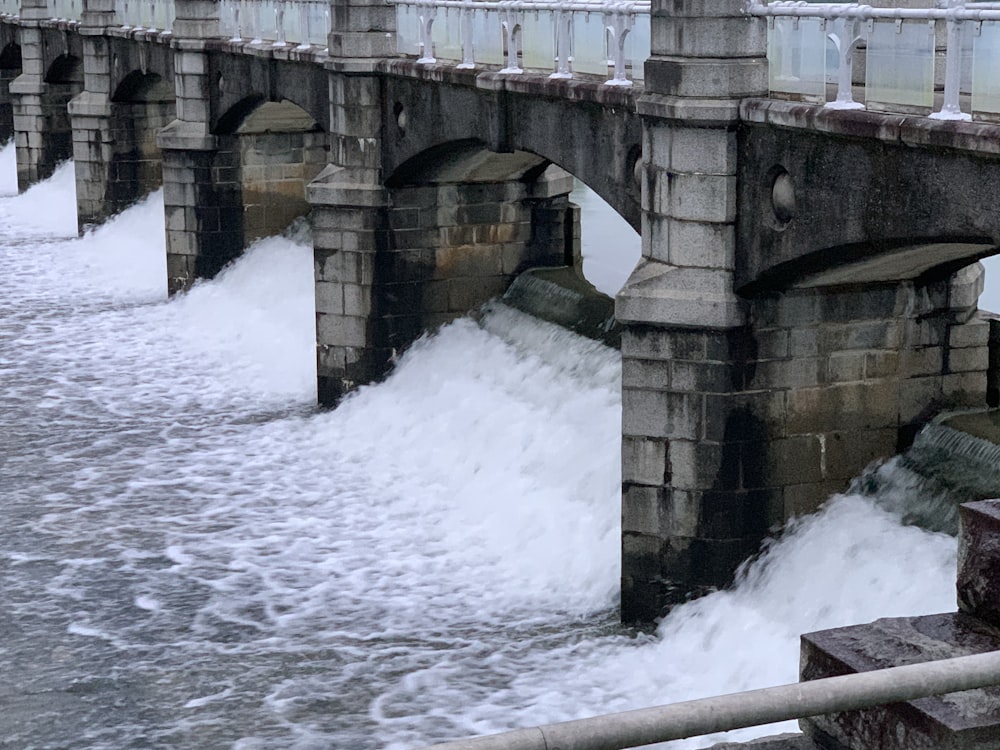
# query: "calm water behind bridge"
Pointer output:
{"type": "Point", "coordinates": [193, 556]}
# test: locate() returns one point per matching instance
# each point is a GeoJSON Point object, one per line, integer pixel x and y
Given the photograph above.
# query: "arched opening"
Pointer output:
{"type": "Point", "coordinates": [142, 104]}
{"type": "Point", "coordinates": [468, 224]}
{"type": "Point", "coordinates": [63, 80]}
{"type": "Point", "coordinates": [268, 152]}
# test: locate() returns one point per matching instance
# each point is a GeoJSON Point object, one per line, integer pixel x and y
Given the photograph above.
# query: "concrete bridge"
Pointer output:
{"type": "Point", "coordinates": [807, 294]}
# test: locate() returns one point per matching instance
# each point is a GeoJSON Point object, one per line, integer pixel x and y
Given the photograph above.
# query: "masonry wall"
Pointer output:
{"type": "Point", "coordinates": [453, 247]}
{"type": "Point", "coordinates": [726, 434]}
{"type": "Point", "coordinates": [274, 171]}
{"type": "Point", "coordinates": [136, 167]}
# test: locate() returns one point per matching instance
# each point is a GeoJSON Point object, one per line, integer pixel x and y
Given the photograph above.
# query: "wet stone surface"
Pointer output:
{"type": "Point", "coordinates": [957, 721]}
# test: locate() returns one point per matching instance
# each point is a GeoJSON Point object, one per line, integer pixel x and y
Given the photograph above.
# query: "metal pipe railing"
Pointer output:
{"type": "Point", "coordinates": [751, 708]}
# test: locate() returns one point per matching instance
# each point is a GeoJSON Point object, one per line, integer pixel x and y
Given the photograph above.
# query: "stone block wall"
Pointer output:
{"type": "Point", "coordinates": [275, 169]}
{"type": "Point", "coordinates": [453, 247]}
{"type": "Point", "coordinates": [727, 433]}
{"type": "Point", "coordinates": [852, 374]}
{"type": "Point", "coordinates": [203, 211]}
{"type": "Point", "coordinates": [136, 164]}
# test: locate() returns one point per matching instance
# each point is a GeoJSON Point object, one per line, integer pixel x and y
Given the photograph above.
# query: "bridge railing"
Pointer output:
{"type": "Point", "coordinates": [10, 8]}
{"type": "Point", "coordinates": [609, 38]}
{"type": "Point", "coordinates": [815, 44]}
{"type": "Point", "coordinates": [304, 23]}
{"type": "Point", "coordinates": [145, 15]}
{"type": "Point", "coordinates": [64, 10]}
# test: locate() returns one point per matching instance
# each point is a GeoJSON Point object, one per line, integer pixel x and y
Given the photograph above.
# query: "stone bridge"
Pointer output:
{"type": "Point", "coordinates": [807, 294]}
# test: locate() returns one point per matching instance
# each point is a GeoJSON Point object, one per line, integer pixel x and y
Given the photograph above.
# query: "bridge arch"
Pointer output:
{"type": "Point", "coordinates": [463, 222]}
{"type": "Point", "coordinates": [267, 152]}
{"type": "Point", "coordinates": [594, 134]}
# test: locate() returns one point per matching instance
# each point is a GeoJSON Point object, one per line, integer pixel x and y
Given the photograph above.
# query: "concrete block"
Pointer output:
{"type": "Point", "coordinates": [644, 461]}
{"type": "Point", "coordinates": [341, 330]}
{"type": "Point", "coordinates": [787, 373]}
{"type": "Point", "coordinates": [925, 361]}
{"type": "Point", "coordinates": [841, 407]}
{"type": "Point", "coordinates": [704, 465]}
{"type": "Point", "coordinates": [978, 580]}
{"type": "Point", "coordinates": [657, 343]}
{"type": "Point", "coordinates": [972, 359]}
{"type": "Point", "coordinates": [844, 367]}
{"type": "Point", "coordinates": [917, 397]}
{"type": "Point", "coordinates": [883, 364]}
{"type": "Point", "coordinates": [699, 197]}
{"type": "Point", "coordinates": [974, 333]}
{"type": "Point", "coordinates": [958, 721]}
{"type": "Point", "coordinates": [695, 243]}
{"type": "Point", "coordinates": [646, 373]}
{"type": "Point", "coordinates": [701, 377]}
{"type": "Point", "coordinates": [660, 414]}
{"type": "Point", "coordinates": [643, 511]}
{"type": "Point", "coordinates": [703, 151]}
{"type": "Point", "coordinates": [330, 297]}
{"type": "Point", "coordinates": [846, 454]}
{"type": "Point", "coordinates": [795, 460]}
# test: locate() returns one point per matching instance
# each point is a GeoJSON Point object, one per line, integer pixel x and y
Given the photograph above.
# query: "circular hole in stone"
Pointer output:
{"type": "Point", "coordinates": [783, 197]}
{"type": "Point", "coordinates": [400, 114]}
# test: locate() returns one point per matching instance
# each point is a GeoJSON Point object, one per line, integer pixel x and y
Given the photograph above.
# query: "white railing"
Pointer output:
{"type": "Point", "coordinates": [145, 15]}
{"type": "Point", "coordinates": [65, 10]}
{"type": "Point", "coordinates": [810, 44]}
{"type": "Point", "coordinates": [305, 23]}
{"type": "Point", "coordinates": [10, 8]}
{"type": "Point", "coordinates": [609, 38]}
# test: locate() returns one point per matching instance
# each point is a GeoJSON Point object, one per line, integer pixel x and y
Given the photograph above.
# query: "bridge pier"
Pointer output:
{"type": "Point", "coordinates": [40, 95]}
{"type": "Point", "coordinates": [116, 118]}
{"type": "Point", "coordinates": [688, 518]}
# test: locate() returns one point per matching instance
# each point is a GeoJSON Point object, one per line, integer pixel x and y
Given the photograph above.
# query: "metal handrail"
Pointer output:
{"type": "Point", "coordinates": [751, 708]}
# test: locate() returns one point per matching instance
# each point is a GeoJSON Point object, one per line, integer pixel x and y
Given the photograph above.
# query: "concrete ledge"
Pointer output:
{"type": "Point", "coordinates": [957, 721]}
{"type": "Point", "coordinates": [975, 137]}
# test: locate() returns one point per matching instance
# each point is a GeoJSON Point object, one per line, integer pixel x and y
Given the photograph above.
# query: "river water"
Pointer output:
{"type": "Point", "coordinates": [192, 555]}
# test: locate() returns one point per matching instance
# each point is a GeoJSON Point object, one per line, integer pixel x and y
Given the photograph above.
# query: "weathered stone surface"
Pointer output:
{"type": "Point", "coordinates": [958, 721]}
{"type": "Point", "coordinates": [978, 580]}
{"type": "Point", "coordinates": [777, 742]}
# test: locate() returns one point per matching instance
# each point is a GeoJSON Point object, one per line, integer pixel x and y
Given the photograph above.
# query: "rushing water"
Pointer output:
{"type": "Point", "coordinates": [192, 555]}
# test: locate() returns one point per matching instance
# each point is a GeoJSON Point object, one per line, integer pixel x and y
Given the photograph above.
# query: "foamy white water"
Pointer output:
{"type": "Point", "coordinates": [192, 555]}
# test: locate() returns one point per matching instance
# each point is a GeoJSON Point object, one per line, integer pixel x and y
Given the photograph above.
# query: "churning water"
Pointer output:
{"type": "Point", "coordinates": [194, 556]}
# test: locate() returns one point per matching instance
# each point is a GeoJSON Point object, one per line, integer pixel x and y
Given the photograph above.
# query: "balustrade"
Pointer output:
{"type": "Point", "coordinates": [305, 23]}
{"type": "Point", "coordinates": [64, 10]}
{"type": "Point", "coordinates": [812, 45]}
{"type": "Point", "coordinates": [609, 38]}
{"type": "Point", "coordinates": [145, 15]}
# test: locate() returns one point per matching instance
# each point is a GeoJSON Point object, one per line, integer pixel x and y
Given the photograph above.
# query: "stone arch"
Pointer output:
{"type": "Point", "coordinates": [463, 223]}
{"type": "Point", "coordinates": [594, 135]}
{"type": "Point", "coordinates": [298, 84]}
{"type": "Point", "coordinates": [268, 151]}
{"type": "Point", "coordinates": [65, 70]}
{"type": "Point", "coordinates": [142, 104]}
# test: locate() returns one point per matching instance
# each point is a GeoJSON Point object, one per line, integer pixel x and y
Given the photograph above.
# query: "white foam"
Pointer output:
{"type": "Point", "coordinates": [438, 556]}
